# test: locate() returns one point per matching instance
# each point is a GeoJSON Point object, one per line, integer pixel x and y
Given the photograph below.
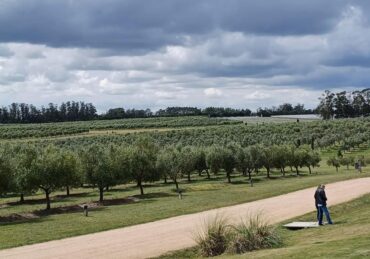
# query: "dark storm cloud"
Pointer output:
{"type": "Point", "coordinates": [144, 25]}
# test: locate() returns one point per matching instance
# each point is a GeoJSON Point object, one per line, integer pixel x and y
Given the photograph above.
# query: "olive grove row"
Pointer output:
{"type": "Point", "coordinates": [26, 169]}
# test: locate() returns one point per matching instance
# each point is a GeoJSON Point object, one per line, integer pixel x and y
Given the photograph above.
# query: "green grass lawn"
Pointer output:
{"type": "Point", "coordinates": [159, 202]}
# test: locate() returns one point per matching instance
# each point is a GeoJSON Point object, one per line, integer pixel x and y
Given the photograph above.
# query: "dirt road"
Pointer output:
{"type": "Point", "coordinates": [156, 238]}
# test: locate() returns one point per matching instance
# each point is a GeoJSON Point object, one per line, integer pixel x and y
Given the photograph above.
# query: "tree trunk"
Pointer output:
{"type": "Point", "coordinates": [336, 168]}
{"type": "Point", "coordinates": [101, 194]}
{"type": "Point", "coordinates": [200, 172]}
{"type": "Point", "coordinates": [208, 175]}
{"type": "Point", "coordinates": [228, 177]}
{"type": "Point", "coordinates": [67, 190]}
{"type": "Point", "coordinates": [268, 172]}
{"type": "Point", "coordinates": [177, 184]}
{"type": "Point", "coordinates": [309, 169]}
{"type": "Point", "coordinates": [22, 198]}
{"type": "Point", "coordinates": [296, 169]}
{"type": "Point", "coordinates": [165, 179]}
{"type": "Point", "coordinates": [249, 175]}
{"type": "Point", "coordinates": [189, 179]}
{"type": "Point", "coordinates": [141, 187]}
{"type": "Point", "coordinates": [47, 194]}
{"type": "Point", "coordinates": [107, 188]}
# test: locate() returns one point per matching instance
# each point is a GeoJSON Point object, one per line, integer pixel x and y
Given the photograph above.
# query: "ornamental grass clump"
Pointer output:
{"type": "Point", "coordinates": [253, 234]}
{"type": "Point", "coordinates": [213, 239]}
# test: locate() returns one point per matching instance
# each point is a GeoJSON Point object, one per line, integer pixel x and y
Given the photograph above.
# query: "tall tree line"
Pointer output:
{"type": "Point", "coordinates": [284, 109]}
{"type": "Point", "coordinates": [119, 113]}
{"type": "Point", "coordinates": [344, 104]}
{"type": "Point", "coordinates": [28, 113]}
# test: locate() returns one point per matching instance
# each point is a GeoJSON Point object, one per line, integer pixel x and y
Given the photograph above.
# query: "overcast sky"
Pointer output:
{"type": "Point", "coordinates": [159, 53]}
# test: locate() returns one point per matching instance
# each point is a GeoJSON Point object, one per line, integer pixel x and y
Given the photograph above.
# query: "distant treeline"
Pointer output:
{"type": "Point", "coordinates": [80, 111]}
{"type": "Point", "coordinates": [284, 109]}
{"type": "Point", "coordinates": [344, 104]}
{"type": "Point", "coordinates": [28, 113]}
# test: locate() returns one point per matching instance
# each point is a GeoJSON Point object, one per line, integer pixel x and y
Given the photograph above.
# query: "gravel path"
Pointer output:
{"type": "Point", "coordinates": [155, 238]}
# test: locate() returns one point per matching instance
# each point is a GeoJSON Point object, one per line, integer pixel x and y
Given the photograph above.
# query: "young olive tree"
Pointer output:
{"type": "Point", "coordinates": [98, 169]}
{"type": "Point", "coordinates": [228, 162]}
{"type": "Point", "coordinates": [333, 161]}
{"type": "Point", "coordinates": [23, 157]}
{"type": "Point", "coordinates": [121, 164]}
{"type": "Point", "coordinates": [347, 161]}
{"type": "Point", "coordinates": [143, 158]}
{"type": "Point", "coordinates": [200, 161]}
{"type": "Point", "coordinates": [6, 173]}
{"type": "Point", "coordinates": [268, 159]}
{"type": "Point", "coordinates": [312, 160]}
{"type": "Point", "coordinates": [214, 159]}
{"type": "Point", "coordinates": [297, 158]}
{"type": "Point", "coordinates": [47, 172]}
{"type": "Point", "coordinates": [70, 167]}
{"type": "Point", "coordinates": [280, 157]}
{"type": "Point", "coordinates": [169, 163]}
{"type": "Point", "coordinates": [187, 160]}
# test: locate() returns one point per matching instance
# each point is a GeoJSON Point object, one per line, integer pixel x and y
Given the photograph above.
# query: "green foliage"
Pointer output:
{"type": "Point", "coordinates": [47, 172]}
{"type": "Point", "coordinates": [143, 157]}
{"type": "Point", "coordinates": [98, 167]}
{"type": "Point", "coordinates": [13, 131]}
{"type": "Point", "coordinates": [214, 159]}
{"type": "Point", "coordinates": [347, 161]}
{"type": "Point", "coordinates": [333, 161]}
{"type": "Point", "coordinates": [6, 171]}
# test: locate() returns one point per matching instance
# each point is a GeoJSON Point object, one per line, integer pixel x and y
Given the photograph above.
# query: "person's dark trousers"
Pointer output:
{"type": "Point", "coordinates": [317, 212]}
{"type": "Point", "coordinates": [324, 210]}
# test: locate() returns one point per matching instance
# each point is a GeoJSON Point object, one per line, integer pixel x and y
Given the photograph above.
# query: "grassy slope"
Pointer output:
{"type": "Point", "coordinates": [160, 202]}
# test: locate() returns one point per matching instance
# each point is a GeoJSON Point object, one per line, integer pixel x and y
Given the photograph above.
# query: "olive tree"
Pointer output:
{"type": "Point", "coordinates": [268, 159]}
{"type": "Point", "coordinates": [169, 163]}
{"type": "Point", "coordinates": [347, 161]}
{"type": "Point", "coordinates": [143, 156]}
{"type": "Point", "coordinates": [200, 161]}
{"type": "Point", "coordinates": [280, 154]}
{"type": "Point", "coordinates": [214, 159]}
{"type": "Point", "coordinates": [228, 162]}
{"type": "Point", "coordinates": [98, 169]}
{"type": "Point", "coordinates": [333, 161]}
{"type": "Point", "coordinates": [70, 167]}
{"type": "Point", "coordinates": [187, 160]}
{"type": "Point", "coordinates": [47, 172]}
{"type": "Point", "coordinates": [6, 171]}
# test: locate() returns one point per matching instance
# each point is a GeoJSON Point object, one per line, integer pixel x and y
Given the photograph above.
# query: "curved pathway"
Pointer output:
{"type": "Point", "coordinates": [155, 238]}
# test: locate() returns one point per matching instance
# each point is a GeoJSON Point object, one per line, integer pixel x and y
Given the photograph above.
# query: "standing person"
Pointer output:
{"type": "Point", "coordinates": [322, 206]}
{"type": "Point", "coordinates": [317, 201]}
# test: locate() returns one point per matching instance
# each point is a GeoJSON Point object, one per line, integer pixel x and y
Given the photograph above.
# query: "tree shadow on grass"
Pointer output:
{"type": "Point", "coordinates": [38, 216]}
{"type": "Point", "coordinates": [123, 189]}
{"type": "Point", "coordinates": [77, 208]}
{"type": "Point", "coordinates": [153, 195]}
{"type": "Point", "coordinates": [55, 198]}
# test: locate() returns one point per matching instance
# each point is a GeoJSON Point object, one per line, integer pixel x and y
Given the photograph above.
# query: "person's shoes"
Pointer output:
{"type": "Point", "coordinates": [321, 224]}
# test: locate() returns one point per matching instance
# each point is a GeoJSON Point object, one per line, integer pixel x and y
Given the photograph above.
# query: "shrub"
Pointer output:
{"type": "Point", "coordinates": [213, 238]}
{"type": "Point", "coordinates": [253, 234]}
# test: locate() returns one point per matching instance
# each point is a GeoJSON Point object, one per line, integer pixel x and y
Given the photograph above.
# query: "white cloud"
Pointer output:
{"type": "Point", "coordinates": [212, 92]}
